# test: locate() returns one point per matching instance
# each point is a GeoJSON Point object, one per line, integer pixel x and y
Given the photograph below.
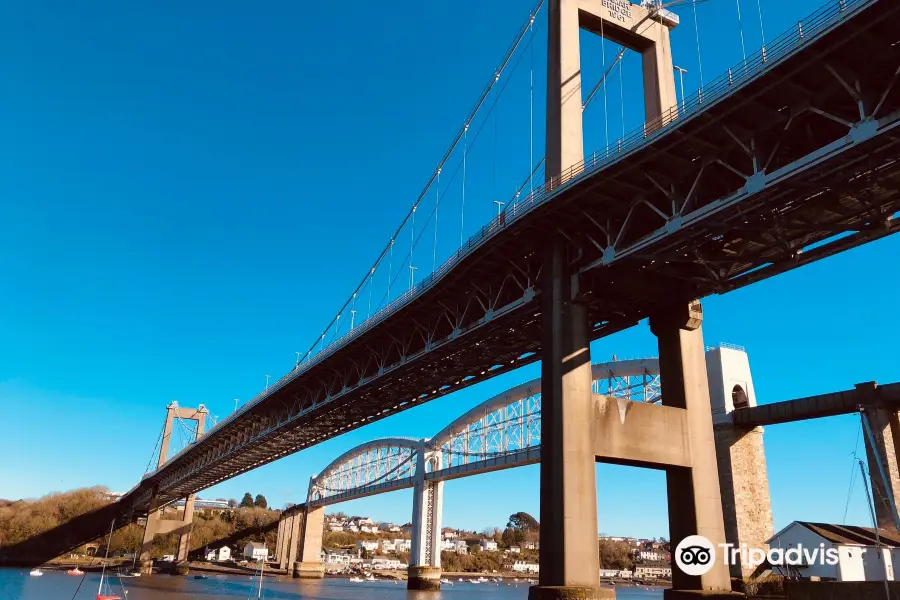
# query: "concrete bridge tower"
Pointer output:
{"type": "Point", "coordinates": [743, 475]}
{"type": "Point", "coordinates": [156, 525]}
{"type": "Point", "coordinates": [570, 439]}
{"type": "Point", "coordinates": [428, 500]}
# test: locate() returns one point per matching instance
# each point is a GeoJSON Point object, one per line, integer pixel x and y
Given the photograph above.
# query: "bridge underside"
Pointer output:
{"type": "Point", "coordinates": [789, 167]}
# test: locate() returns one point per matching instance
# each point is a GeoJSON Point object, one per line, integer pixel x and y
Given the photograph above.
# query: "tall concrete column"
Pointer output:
{"type": "Point", "coordinates": [424, 571]}
{"type": "Point", "coordinates": [886, 431]}
{"type": "Point", "coordinates": [150, 529]}
{"type": "Point", "coordinates": [695, 502]}
{"type": "Point", "coordinates": [279, 540]}
{"type": "Point", "coordinates": [569, 556]}
{"type": "Point", "coordinates": [740, 453]}
{"type": "Point", "coordinates": [184, 538]}
{"type": "Point", "coordinates": [294, 540]}
{"type": "Point", "coordinates": [310, 565]}
{"type": "Point", "coordinates": [565, 144]}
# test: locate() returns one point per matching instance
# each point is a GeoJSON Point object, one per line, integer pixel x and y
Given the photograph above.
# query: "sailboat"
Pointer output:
{"type": "Point", "coordinates": [109, 595]}
{"type": "Point", "coordinates": [262, 568]}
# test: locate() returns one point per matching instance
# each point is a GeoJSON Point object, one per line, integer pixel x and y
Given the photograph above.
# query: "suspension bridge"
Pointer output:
{"type": "Point", "coordinates": [786, 158]}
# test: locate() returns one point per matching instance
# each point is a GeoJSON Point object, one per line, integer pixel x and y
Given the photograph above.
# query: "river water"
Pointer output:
{"type": "Point", "coordinates": [16, 584]}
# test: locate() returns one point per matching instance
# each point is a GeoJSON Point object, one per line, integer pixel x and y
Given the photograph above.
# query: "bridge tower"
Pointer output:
{"type": "Point", "coordinates": [156, 525]}
{"type": "Point", "coordinates": [569, 562]}
{"type": "Point", "coordinates": [424, 571]}
{"type": "Point", "coordinates": [740, 453]}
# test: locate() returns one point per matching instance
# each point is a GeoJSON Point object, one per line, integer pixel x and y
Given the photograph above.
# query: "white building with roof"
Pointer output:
{"type": "Point", "coordinates": [860, 556]}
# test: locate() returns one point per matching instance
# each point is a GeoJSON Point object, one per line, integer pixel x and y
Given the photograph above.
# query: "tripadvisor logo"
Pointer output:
{"type": "Point", "coordinates": [696, 555]}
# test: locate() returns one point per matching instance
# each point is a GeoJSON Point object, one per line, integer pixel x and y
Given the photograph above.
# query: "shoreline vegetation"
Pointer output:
{"type": "Point", "coordinates": [246, 522]}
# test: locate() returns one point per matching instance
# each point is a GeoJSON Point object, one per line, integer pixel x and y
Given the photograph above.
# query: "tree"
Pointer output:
{"type": "Point", "coordinates": [247, 501]}
{"type": "Point", "coordinates": [523, 522]}
{"type": "Point", "coordinates": [260, 501]}
{"type": "Point", "coordinates": [232, 503]}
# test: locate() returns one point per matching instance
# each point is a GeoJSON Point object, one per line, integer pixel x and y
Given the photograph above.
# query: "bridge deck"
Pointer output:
{"type": "Point", "coordinates": [792, 165]}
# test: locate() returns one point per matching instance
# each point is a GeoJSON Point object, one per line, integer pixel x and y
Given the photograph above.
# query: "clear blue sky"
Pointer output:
{"type": "Point", "coordinates": [189, 193]}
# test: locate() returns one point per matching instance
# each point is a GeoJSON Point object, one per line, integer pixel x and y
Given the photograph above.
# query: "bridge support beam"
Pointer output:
{"type": "Point", "coordinates": [424, 571]}
{"type": "Point", "coordinates": [885, 425]}
{"type": "Point", "coordinates": [311, 523]}
{"type": "Point", "coordinates": [569, 559]}
{"type": "Point", "coordinates": [695, 501]}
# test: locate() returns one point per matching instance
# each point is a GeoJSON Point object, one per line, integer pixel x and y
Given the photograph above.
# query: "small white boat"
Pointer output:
{"type": "Point", "coordinates": [76, 571]}
{"type": "Point", "coordinates": [371, 578]}
{"type": "Point", "coordinates": [355, 580]}
{"type": "Point", "coordinates": [36, 573]}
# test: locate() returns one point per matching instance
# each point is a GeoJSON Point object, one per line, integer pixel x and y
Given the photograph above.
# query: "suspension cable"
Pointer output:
{"type": "Point", "coordinates": [621, 97]}
{"type": "Point", "coordinates": [605, 103]}
{"type": "Point", "coordinates": [503, 63]}
{"type": "Point", "coordinates": [437, 203]}
{"type": "Point", "coordinates": [462, 216]}
{"type": "Point", "coordinates": [741, 29]}
{"type": "Point", "coordinates": [699, 59]}
{"type": "Point", "coordinates": [762, 30]}
{"type": "Point", "coordinates": [531, 104]}
{"type": "Point", "coordinates": [159, 441]}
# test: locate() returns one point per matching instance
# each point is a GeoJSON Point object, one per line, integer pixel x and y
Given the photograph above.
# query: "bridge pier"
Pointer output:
{"type": "Point", "coordinates": [156, 525]}
{"type": "Point", "coordinates": [885, 426]}
{"type": "Point", "coordinates": [740, 453]}
{"type": "Point", "coordinates": [569, 557]}
{"type": "Point", "coordinates": [308, 528]}
{"type": "Point", "coordinates": [695, 501]}
{"type": "Point", "coordinates": [424, 572]}
{"type": "Point", "coordinates": [279, 540]}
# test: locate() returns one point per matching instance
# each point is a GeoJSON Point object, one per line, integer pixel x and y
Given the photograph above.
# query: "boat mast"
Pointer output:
{"type": "Point", "coordinates": [262, 569]}
{"type": "Point", "coordinates": [106, 557]}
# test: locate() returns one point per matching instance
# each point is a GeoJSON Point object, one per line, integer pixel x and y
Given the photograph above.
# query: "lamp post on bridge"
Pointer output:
{"type": "Point", "coordinates": [352, 318]}
{"type": "Point", "coordinates": [499, 206]}
{"type": "Point", "coordinates": [681, 73]}
{"type": "Point", "coordinates": [297, 364]}
{"type": "Point", "coordinates": [236, 404]}
{"type": "Point", "coordinates": [412, 275]}
{"type": "Point", "coordinates": [267, 382]}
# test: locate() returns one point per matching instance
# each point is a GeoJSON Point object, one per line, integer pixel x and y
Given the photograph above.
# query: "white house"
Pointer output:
{"type": "Point", "coordinates": [651, 555]}
{"type": "Point", "coordinates": [520, 566]}
{"type": "Point", "coordinates": [653, 570]}
{"type": "Point", "coordinates": [488, 545]}
{"type": "Point", "coordinates": [367, 545]}
{"type": "Point", "coordinates": [220, 555]}
{"type": "Point", "coordinates": [514, 550]}
{"type": "Point", "coordinates": [447, 545]}
{"type": "Point", "coordinates": [460, 547]}
{"type": "Point", "coordinates": [859, 558]}
{"type": "Point", "coordinates": [382, 563]}
{"type": "Point", "coordinates": [532, 545]}
{"type": "Point", "coordinates": [336, 558]}
{"type": "Point", "coordinates": [388, 546]}
{"type": "Point", "coordinates": [256, 551]}
{"type": "Point", "coordinates": [402, 545]}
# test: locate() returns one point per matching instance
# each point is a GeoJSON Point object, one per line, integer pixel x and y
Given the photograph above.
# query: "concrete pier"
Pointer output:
{"type": "Point", "coordinates": [695, 501]}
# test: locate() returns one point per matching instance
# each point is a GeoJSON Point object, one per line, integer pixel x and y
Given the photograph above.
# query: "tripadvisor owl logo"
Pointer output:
{"type": "Point", "coordinates": [695, 555]}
